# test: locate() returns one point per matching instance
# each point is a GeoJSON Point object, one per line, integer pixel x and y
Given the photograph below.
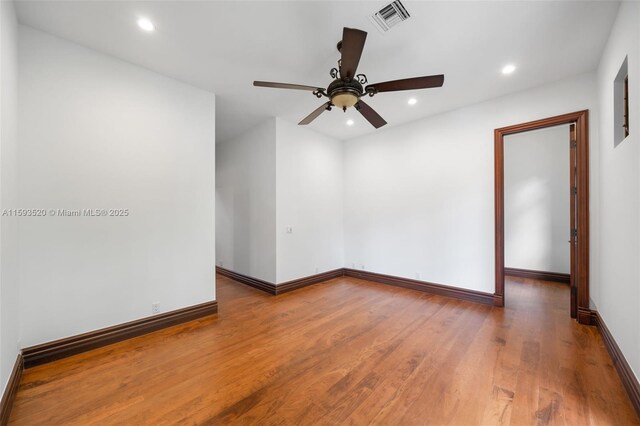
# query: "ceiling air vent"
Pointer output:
{"type": "Point", "coordinates": [389, 16]}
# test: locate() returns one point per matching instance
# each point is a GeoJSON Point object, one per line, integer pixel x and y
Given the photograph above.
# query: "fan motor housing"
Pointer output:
{"type": "Point", "coordinates": [344, 94]}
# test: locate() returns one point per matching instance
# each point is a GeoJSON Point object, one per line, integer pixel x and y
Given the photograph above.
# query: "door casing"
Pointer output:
{"type": "Point", "coordinates": [581, 257]}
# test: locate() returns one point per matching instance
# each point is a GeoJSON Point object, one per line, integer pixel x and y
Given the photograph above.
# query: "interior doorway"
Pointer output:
{"type": "Point", "coordinates": [537, 205]}
{"type": "Point", "coordinates": [578, 188]}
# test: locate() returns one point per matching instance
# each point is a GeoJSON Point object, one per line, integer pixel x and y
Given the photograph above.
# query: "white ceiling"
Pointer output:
{"type": "Point", "coordinates": [224, 46]}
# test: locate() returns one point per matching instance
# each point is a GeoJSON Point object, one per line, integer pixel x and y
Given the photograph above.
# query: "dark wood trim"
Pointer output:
{"type": "Point", "coordinates": [581, 119]}
{"type": "Point", "coordinates": [265, 286]}
{"type": "Point", "coordinates": [538, 275]}
{"type": "Point", "coordinates": [313, 279]}
{"type": "Point", "coordinates": [9, 394]}
{"type": "Point", "coordinates": [275, 289]}
{"type": "Point", "coordinates": [498, 190]}
{"type": "Point", "coordinates": [586, 316]}
{"type": "Point", "coordinates": [582, 185]}
{"type": "Point", "coordinates": [498, 300]}
{"type": "Point", "coordinates": [427, 287]}
{"type": "Point", "coordinates": [573, 254]}
{"type": "Point", "coordinates": [62, 348]}
{"type": "Point", "coordinates": [625, 372]}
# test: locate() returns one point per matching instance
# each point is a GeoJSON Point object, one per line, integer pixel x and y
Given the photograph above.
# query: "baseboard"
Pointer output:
{"type": "Point", "coordinates": [9, 394]}
{"type": "Point", "coordinates": [427, 287]}
{"type": "Point", "coordinates": [51, 351]}
{"type": "Point", "coordinates": [313, 279]}
{"type": "Point", "coordinates": [627, 377]}
{"type": "Point", "coordinates": [586, 316]}
{"type": "Point", "coordinates": [275, 289]}
{"type": "Point", "coordinates": [424, 286]}
{"type": "Point", "coordinates": [538, 275]}
{"type": "Point", "coordinates": [498, 300]}
{"type": "Point", "coordinates": [265, 286]}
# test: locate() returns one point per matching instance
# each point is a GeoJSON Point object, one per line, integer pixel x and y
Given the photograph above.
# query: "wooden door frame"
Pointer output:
{"type": "Point", "coordinates": [581, 120]}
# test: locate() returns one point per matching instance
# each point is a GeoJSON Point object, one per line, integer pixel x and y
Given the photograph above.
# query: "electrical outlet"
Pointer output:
{"type": "Point", "coordinates": [155, 307]}
{"type": "Point", "coordinates": [316, 269]}
{"type": "Point", "coordinates": [417, 275]}
{"type": "Point", "coordinates": [362, 267]}
{"type": "Point", "coordinates": [221, 263]}
{"type": "Point", "coordinates": [353, 266]}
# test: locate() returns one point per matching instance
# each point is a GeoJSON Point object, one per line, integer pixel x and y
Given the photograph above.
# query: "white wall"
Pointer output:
{"type": "Point", "coordinates": [97, 132]}
{"type": "Point", "coordinates": [616, 294]}
{"type": "Point", "coordinates": [309, 186]}
{"type": "Point", "coordinates": [537, 200]}
{"type": "Point", "coordinates": [419, 197]}
{"type": "Point", "coordinates": [9, 272]}
{"type": "Point", "coordinates": [246, 203]}
{"type": "Point", "coordinates": [276, 176]}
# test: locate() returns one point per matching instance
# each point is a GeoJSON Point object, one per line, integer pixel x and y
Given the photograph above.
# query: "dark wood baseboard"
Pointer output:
{"type": "Point", "coordinates": [585, 316]}
{"type": "Point", "coordinates": [313, 279]}
{"type": "Point", "coordinates": [265, 286]}
{"type": "Point", "coordinates": [275, 289]}
{"type": "Point", "coordinates": [625, 372]}
{"type": "Point", "coordinates": [538, 275]}
{"type": "Point", "coordinates": [62, 348]}
{"type": "Point", "coordinates": [427, 287]}
{"type": "Point", "coordinates": [498, 300]}
{"type": "Point", "coordinates": [9, 394]}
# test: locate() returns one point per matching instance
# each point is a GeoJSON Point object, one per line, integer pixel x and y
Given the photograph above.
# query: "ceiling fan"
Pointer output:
{"type": "Point", "coordinates": [346, 90]}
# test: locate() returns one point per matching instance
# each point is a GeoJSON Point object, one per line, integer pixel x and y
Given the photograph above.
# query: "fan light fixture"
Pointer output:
{"type": "Point", "coordinates": [412, 101]}
{"type": "Point", "coordinates": [348, 87]}
{"type": "Point", "coordinates": [344, 100]}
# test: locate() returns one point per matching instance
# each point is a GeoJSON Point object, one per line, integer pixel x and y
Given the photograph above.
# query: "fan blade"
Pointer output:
{"type": "Point", "coordinates": [285, 86]}
{"type": "Point", "coordinates": [371, 116]}
{"type": "Point", "coordinates": [315, 114]}
{"type": "Point", "coordinates": [408, 84]}
{"type": "Point", "coordinates": [352, 45]}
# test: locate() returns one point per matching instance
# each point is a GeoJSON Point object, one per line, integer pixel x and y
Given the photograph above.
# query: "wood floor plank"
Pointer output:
{"type": "Point", "coordinates": [345, 351]}
{"type": "Point", "coordinates": [334, 353]}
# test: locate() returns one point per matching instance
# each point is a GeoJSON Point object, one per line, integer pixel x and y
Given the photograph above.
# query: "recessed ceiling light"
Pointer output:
{"type": "Point", "coordinates": [349, 122]}
{"type": "Point", "coordinates": [412, 101]}
{"type": "Point", "coordinates": [146, 24]}
{"type": "Point", "coordinates": [508, 69]}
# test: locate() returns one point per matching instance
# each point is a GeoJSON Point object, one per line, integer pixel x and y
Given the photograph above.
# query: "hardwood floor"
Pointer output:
{"type": "Point", "coordinates": [344, 351]}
